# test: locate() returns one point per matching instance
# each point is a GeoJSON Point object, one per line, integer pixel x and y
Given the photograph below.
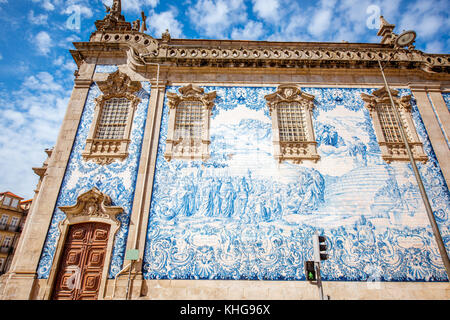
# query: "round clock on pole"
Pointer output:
{"type": "Point", "coordinates": [405, 39]}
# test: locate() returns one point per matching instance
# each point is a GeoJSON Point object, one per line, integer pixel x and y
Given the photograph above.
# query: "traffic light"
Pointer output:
{"type": "Point", "coordinates": [320, 248]}
{"type": "Point", "coordinates": [310, 271]}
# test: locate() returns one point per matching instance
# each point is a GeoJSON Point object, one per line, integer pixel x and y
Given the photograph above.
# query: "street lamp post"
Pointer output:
{"type": "Point", "coordinates": [405, 39]}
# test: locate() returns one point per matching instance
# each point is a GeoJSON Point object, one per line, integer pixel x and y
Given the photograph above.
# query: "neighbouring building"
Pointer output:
{"type": "Point", "coordinates": [206, 166]}
{"type": "Point", "coordinates": [13, 213]}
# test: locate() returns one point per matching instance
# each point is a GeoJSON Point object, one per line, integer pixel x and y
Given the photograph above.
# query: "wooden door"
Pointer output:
{"type": "Point", "coordinates": [81, 265]}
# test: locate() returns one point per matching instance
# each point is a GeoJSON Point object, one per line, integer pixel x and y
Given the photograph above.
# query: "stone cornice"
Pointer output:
{"type": "Point", "coordinates": [141, 50]}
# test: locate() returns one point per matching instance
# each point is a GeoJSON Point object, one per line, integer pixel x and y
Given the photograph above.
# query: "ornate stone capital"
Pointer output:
{"type": "Point", "coordinates": [191, 93]}
{"type": "Point", "coordinates": [381, 96]}
{"type": "Point", "coordinates": [289, 93]}
{"type": "Point", "coordinates": [92, 204]}
{"type": "Point", "coordinates": [106, 151]}
{"type": "Point", "coordinates": [119, 84]}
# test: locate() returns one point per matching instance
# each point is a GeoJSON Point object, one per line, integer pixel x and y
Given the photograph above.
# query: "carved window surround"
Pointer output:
{"type": "Point", "coordinates": [106, 151]}
{"type": "Point", "coordinates": [189, 148]}
{"type": "Point", "coordinates": [297, 150]}
{"type": "Point", "coordinates": [393, 149]}
{"type": "Point", "coordinates": [91, 206]}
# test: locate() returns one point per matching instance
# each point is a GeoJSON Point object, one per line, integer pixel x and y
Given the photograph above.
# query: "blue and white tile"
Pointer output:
{"type": "Point", "coordinates": [241, 215]}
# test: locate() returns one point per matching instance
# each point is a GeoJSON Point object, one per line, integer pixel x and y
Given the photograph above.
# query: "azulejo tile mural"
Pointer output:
{"type": "Point", "coordinates": [241, 215]}
{"type": "Point", "coordinates": [116, 180]}
{"type": "Point", "coordinates": [446, 96]}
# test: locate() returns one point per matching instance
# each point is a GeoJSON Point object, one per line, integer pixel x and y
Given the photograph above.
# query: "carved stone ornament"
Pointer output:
{"type": "Point", "coordinates": [394, 150]}
{"type": "Point", "coordinates": [289, 93]}
{"type": "Point", "coordinates": [294, 151]}
{"type": "Point", "coordinates": [191, 93]}
{"type": "Point", "coordinates": [192, 149]}
{"type": "Point", "coordinates": [92, 204]}
{"type": "Point", "coordinates": [106, 151]}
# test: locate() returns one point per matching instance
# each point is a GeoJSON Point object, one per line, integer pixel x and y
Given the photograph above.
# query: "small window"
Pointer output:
{"type": "Point", "coordinates": [15, 203]}
{"type": "Point", "coordinates": [188, 132]}
{"type": "Point", "coordinates": [387, 128]}
{"type": "Point", "coordinates": [189, 121]}
{"type": "Point", "coordinates": [14, 221]}
{"type": "Point", "coordinates": [4, 219]}
{"type": "Point", "coordinates": [293, 132]}
{"type": "Point", "coordinates": [291, 122]}
{"type": "Point", "coordinates": [2, 264]}
{"type": "Point", "coordinates": [7, 242]}
{"type": "Point", "coordinates": [113, 119]}
{"type": "Point", "coordinates": [109, 135]}
{"type": "Point", "coordinates": [7, 201]}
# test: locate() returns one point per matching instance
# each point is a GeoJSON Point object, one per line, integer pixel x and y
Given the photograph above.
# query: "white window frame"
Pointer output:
{"type": "Point", "coordinates": [4, 219]}
{"type": "Point", "coordinates": [298, 150]}
{"type": "Point", "coordinates": [15, 221]}
{"type": "Point", "coordinates": [186, 148]}
{"type": "Point", "coordinates": [394, 150]}
{"type": "Point", "coordinates": [7, 242]}
{"type": "Point", "coordinates": [105, 151]}
{"type": "Point", "coordinates": [15, 203]}
{"type": "Point", "coordinates": [7, 201]}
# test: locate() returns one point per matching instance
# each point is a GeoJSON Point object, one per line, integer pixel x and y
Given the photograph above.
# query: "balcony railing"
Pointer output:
{"type": "Point", "coordinates": [9, 227]}
{"type": "Point", "coordinates": [5, 249]}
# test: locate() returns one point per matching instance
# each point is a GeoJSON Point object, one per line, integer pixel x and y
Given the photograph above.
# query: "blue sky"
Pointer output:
{"type": "Point", "coordinates": [36, 68]}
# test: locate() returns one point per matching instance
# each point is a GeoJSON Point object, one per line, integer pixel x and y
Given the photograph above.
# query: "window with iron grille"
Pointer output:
{"type": "Point", "coordinates": [388, 129]}
{"type": "Point", "coordinates": [189, 120]}
{"type": "Point", "coordinates": [291, 122]}
{"type": "Point", "coordinates": [113, 119]}
{"type": "Point", "coordinates": [389, 123]}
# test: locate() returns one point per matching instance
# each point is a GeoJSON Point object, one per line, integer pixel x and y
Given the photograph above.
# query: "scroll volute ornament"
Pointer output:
{"type": "Point", "coordinates": [106, 151]}
{"type": "Point", "coordinates": [295, 151]}
{"type": "Point", "coordinates": [191, 93]}
{"type": "Point", "coordinates": [189, 149]}
{"type": "Point", "coordinates": [119, 85]}
{"type": "Point", "coordinates": [92, 205]}
{"type": "Point", "coordinates": [381, 96]}
{"type": "Point", "coordinates": [394, 151]}
{"type": "Point", "coordinates": [289, 93]}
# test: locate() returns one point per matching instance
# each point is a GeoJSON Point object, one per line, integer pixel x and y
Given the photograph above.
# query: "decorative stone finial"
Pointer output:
{"type": "Point", "coordinates": [114, 20]}
{"type": "Point", "coordinates": [386, 31]}
{"type": "Point", "coordinates": [165, 37]}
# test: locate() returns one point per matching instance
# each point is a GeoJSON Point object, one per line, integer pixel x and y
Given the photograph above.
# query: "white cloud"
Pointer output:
{"type": "Point", "coordinates": [253, 30]}
{"type": "Point", "coordinates": [46, 4]}
{"type": "Point", "coordinates": [266, 9]}
{"type": "Point", "coordinates": [134, 5]}
{"type": "Point", "coordinates": [1, 56]}
{"type": "Point", "coordinates": [40, 19]}
{"type": "Point", "coordinates": [43, 42]}
{"type": "Point", "coordinates": [31, 119]}
{"type": "Point", "coordinates": [434, 47]}
{"type": "Point", "coordinates": [43, 81]}
{"type": "Point", "coordinates": [159, 22]}
{"type": "Point", "coordinates": [320, 22]}
{"type": "Point", "coordinates": [214, 17]}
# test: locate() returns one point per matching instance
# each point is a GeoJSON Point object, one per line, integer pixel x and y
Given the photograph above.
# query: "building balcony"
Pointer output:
{"type": "Point", "coordinates": [5, 249]}
{"type": "Point", "coordinates": [9, 227]}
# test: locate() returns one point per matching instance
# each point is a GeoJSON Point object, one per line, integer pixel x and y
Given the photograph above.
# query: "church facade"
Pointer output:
{"type": "Point", "coordinates": [201, 169]}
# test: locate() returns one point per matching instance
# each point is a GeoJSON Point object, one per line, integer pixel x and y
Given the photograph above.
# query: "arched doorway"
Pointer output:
{"type": "Point", "coordinates": [82, 263]}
